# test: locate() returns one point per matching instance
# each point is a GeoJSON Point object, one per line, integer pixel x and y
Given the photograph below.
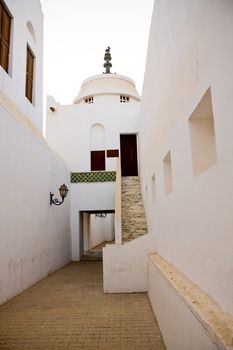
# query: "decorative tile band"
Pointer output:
{"type": "Point", "coordinates": [93, 176]}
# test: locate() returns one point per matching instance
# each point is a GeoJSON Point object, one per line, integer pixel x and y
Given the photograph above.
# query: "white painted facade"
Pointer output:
{"type": "Point", "coordinates": [73, 131]}
{"type": "Point", "coordinates": [184, 127]}
{"type": "Point", "coordinates": [34, 236]}
{"type": "Point", "coordinates": [186, 158]}
{"type": "Point", "coordinates": [26, 29]}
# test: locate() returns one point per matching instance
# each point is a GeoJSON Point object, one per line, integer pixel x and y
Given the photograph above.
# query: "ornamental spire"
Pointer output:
{"type": "Point", "coordinates": [107, 58]}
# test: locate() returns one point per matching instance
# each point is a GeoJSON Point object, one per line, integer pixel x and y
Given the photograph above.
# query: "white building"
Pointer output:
{"type": "Point", "coordinates": [90, 134]}
{"type": "Point", "coordinates": [178, 139]}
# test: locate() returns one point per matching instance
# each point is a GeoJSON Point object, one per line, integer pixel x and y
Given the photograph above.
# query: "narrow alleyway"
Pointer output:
{"type": "Point", "coordinates": [68, 310]}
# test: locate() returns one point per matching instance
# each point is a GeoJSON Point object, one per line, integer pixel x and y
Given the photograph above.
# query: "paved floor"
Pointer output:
{"type": "Point", "coordinates": [68, 310]}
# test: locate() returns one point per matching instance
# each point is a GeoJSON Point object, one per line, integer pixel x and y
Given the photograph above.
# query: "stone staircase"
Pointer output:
{"type": "Point", "coordinates": [133, 214]}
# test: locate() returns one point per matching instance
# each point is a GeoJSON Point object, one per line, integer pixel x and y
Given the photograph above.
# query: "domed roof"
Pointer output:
{"type": "Point", "coordinates": [107, 84]}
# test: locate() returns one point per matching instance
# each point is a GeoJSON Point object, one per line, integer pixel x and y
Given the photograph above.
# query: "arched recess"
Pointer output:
{"type": "Point", "coordinates": [97, 137]}
{"type": "Point", "coordinates": [31, 30]}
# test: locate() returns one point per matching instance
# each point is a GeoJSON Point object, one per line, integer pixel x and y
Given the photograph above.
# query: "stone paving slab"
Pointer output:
{"type": "Point", "coordinates": [68, 310]}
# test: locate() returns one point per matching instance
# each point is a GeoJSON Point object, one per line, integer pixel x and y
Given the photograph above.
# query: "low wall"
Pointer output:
{"type": "Point", "coordinates": [125, 266]}
{"type": "Point", "coordinates": [35, 237]}
{"type": "Point", "coordinates": [188, 318]}
{"type": "Point", "coordinates": [118, 223]}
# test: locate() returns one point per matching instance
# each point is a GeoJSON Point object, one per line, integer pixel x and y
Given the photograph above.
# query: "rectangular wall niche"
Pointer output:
{"type": "Point", "coordinates": [146, 190]}
{"type": "Point", "coordinates": [167, 170]}
{"type": "Point", "coordinates": [153, 190]}
{"type": "Point", "coordinates": [202, 135]}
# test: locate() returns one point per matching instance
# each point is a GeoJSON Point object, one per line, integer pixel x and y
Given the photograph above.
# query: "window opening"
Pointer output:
{"type": "Point", "coordinates": [5, 31]}
{"type": "Point", "coordinates": [97, 160]}
{"type": "Point", "coordinates": [124, 99]}
{"type": "Point", "coordinates": [112, 153]}
{"type": "Point", "coordinates": [89, 100]}
{"type": "Point", "coordinates": [29, 74]}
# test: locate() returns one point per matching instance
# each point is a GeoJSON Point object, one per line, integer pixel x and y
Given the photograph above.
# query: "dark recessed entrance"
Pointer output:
{"type": "Point", "coordinates": [129, 159]}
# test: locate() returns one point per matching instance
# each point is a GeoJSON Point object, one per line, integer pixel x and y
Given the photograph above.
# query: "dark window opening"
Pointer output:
{"type": "Point", "coordinates": [29, 74]}
{"type": "Point", "coordinates": [124, 99]}
{"type": "Point", "coordinates": [5, 31]}
{"type": "Point", "coordinates": [97, 160]}
{"type": "Point", "coordinates": [89, 100]}
{"type": "Point", "coordinates": [112, 153]}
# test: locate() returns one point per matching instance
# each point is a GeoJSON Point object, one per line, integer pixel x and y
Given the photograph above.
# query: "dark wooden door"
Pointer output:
{"type": "Point", "coordinates": [129, 160]}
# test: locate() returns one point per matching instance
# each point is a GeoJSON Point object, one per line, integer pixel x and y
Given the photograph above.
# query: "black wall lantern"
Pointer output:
{"type": "Point", "coordinates": [63, 190]}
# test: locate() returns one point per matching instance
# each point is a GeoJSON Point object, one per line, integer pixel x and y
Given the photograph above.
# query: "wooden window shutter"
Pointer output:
{"type": "Point", "coordinates": [97, 160]}
{"type": "Point", "coordinates": [112, 153]}
{"type": "Point", "coordinates": [29, 74]}
{"type": "Point", "coordinates": [5, 32]}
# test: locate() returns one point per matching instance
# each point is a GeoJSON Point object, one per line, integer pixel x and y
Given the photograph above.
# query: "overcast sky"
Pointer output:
{"type": "Point", "coordinates": [76, 34]}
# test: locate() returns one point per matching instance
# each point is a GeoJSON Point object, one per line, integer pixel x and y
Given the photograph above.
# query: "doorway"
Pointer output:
{"type": "Point", "coordinates": [129, 159]}
{"type": "Point", "coordinates": [96, 230]}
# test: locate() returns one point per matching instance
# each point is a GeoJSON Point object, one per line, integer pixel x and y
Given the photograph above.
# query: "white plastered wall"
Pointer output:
{"type": "Point", "coordinates": [35, 237]}
{"type": "Point", "coordinates": [125, 268]}
{"type": "Point", "coordinates": [190, 51]}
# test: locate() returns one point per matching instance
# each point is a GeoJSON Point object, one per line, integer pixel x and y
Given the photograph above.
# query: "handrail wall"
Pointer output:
{"type": "Point", "coordinates": [118, 230]}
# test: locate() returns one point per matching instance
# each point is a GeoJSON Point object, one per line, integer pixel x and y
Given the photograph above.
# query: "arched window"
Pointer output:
{"type": "Point", "coordinates": [31, 30]}
{"type": "Point", "coordinates": [97, 137]}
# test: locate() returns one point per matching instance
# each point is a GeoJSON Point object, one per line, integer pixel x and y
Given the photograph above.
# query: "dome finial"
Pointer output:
{"type": "Point", "coordinates": [107, 58]}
